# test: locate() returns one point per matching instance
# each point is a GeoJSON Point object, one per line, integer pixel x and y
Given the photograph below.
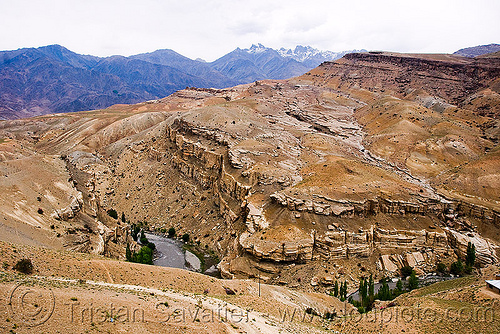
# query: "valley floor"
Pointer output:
{"type": "Point", "coordinates": [71, 292]}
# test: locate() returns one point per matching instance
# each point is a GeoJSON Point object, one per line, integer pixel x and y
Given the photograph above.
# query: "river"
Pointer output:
{"type": "Point", "coordinates": [170, 254]}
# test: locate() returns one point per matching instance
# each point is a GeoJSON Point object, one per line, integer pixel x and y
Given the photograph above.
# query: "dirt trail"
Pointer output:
{"type": "Point", "coordinates": [251, 322]}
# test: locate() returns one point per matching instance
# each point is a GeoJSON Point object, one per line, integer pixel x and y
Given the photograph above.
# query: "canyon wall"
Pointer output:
{"type": "Point", "coordinates": [207, 168]}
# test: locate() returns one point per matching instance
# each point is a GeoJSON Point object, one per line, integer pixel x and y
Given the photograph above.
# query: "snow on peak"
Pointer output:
{"type": "Point", "coordinates": [303, 53]}
{"type": "Point", "coordinates": [306, 53]}
{"type": "Point", "coordinates": [259, 48]}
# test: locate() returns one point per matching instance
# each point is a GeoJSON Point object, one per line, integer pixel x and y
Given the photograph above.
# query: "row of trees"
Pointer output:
{"type": "Point", "coordinates": [341, 292]}
{"type": "Point", "coordinates": [145, 254]}
{"type": "Point", "coordinates": [459, 267]}
{"type": "Point", "coordinates": [367, 294]}
{"type": "Point", "coordinates": [366, 286]}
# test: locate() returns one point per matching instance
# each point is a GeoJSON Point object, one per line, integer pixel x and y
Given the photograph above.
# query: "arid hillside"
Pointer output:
{"type": "Point", "coordinates": [365, 164]}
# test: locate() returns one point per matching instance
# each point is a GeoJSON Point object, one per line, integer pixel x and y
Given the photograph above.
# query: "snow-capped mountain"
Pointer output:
{"type": "Point", "coordinates": [74, 82]}
{"type": "Point", "coordinates": [259, 48]}
{"type": "Point", "coordinates": [261, 62]}
{"type": "Point", "coordinates": [256, 63]}
{"type": "Point", "coordinates": [312, 57]}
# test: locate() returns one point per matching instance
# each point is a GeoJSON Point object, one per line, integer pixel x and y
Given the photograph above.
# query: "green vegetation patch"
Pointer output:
{"type": "Point", "coordinates": [445, 285]}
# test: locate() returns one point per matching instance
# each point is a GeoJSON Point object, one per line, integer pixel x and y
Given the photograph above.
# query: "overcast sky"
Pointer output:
{"type": "Point", "coordinates": [209, 29]}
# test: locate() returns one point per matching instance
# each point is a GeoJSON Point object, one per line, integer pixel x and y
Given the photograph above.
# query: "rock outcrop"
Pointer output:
{"type": "Point", "coordinates": [297, 250]}
{"type": "Point", "coordinates": [447, 209]}
{"type": "Point", "coordinates": [69, 211]}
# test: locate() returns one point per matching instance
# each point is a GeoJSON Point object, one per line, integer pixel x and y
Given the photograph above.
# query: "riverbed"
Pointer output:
{"type": "Point", "coordinates": [169, 253]}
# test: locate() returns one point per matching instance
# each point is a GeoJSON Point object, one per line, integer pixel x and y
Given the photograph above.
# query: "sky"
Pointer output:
{"type": "Point", "coordinates": [209, 29]}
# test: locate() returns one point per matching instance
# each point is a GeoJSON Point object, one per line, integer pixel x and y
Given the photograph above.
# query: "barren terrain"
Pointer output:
{"type": "Point", "coordinates": [363, 165]}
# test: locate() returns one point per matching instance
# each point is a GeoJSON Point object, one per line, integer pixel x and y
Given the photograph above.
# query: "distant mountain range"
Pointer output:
{"type": "Point", "coordinates": [51, 79]}
{"type": "Point", "coordinates": [312, 57]}
{"type": "Point", "coordinates": [478, 50]}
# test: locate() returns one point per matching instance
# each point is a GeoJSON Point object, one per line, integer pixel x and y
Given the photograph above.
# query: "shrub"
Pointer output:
{"type": "Point", "coordinates": [311, 311]}
{"type": "Point", "coordinates": [441, 268]}
{"type": "Point", "coordinates": [113, 214]}
{"type": "Point", "coordinates": [145, 256]}
{"type": "Point", "coordinates": [185, 237]}
{"type": "Point", "coordinates": [24, 266]}
{"type": "Point", "coordinates": [40, 211]}
{"type": "Point", "coordinates": [457, 267]}
{"type": "Point", "coordinates": [171, 232]}
{"type": "Point", "coordinates": [330, 316]}
{"type": "Point", "coordinates": [406, 271]}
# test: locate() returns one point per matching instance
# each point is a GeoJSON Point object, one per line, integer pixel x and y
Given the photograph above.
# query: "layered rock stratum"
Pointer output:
{"type": "Point", "coordinates": [372, 162]}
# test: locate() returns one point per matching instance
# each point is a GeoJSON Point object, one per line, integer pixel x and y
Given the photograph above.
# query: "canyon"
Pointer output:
{"type": "Point", "coordinates": [366, 164]}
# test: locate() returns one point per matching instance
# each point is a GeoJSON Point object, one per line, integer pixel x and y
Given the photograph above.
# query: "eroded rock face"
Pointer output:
{"type": "Point", "coordinates": [448, 209]}
{"type": "Point", "coordinates": [297, 250]}
{"type": "Point", "coordinates": [485, 250]}
{"type": "Point", "coordinates": [71, 210]}
{"type": "Point", "coordinates": [255, 219]}
{"type": "Point", "coordinates": [361, 159]}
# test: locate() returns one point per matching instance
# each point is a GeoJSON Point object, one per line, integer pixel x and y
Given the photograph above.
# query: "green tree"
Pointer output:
{"type": "Point", "coordinates": [384, 293]}
{"type": "Point", "coordinates": [143, 238]}
{"type": "Point", "coordinates": [471, 254]}
{"type": "Point", "coordinates": [371, 289]}
{"type": "Point", "coordinates": [413, 281]}
{"type": "Point", "coordinates": [145, 256]}
{"type": "Point", "coordinates": [363, 292]}
{"type": "Point", "coordinates": [134, 231]}
{"type": "Point", "coordinates": [128, 253]}
{"type": "Point", "coordinates": [344, 291]}
{"type": "Point", "coordinates": [399, 287]}
{"type": "Point", "coordinates": [171, 232]}
{"type": "Point", "coordinates": [336, 289]}
{"type": "Point", "coordinates": [185, 237]}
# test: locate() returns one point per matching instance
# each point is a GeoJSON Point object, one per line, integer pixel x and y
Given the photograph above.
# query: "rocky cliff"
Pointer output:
{"type": "Point", "coordinates": [366, 164]}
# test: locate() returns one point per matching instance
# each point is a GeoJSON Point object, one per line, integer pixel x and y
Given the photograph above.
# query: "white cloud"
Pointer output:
{"type": "Point", "coordinates": [211, 28]}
